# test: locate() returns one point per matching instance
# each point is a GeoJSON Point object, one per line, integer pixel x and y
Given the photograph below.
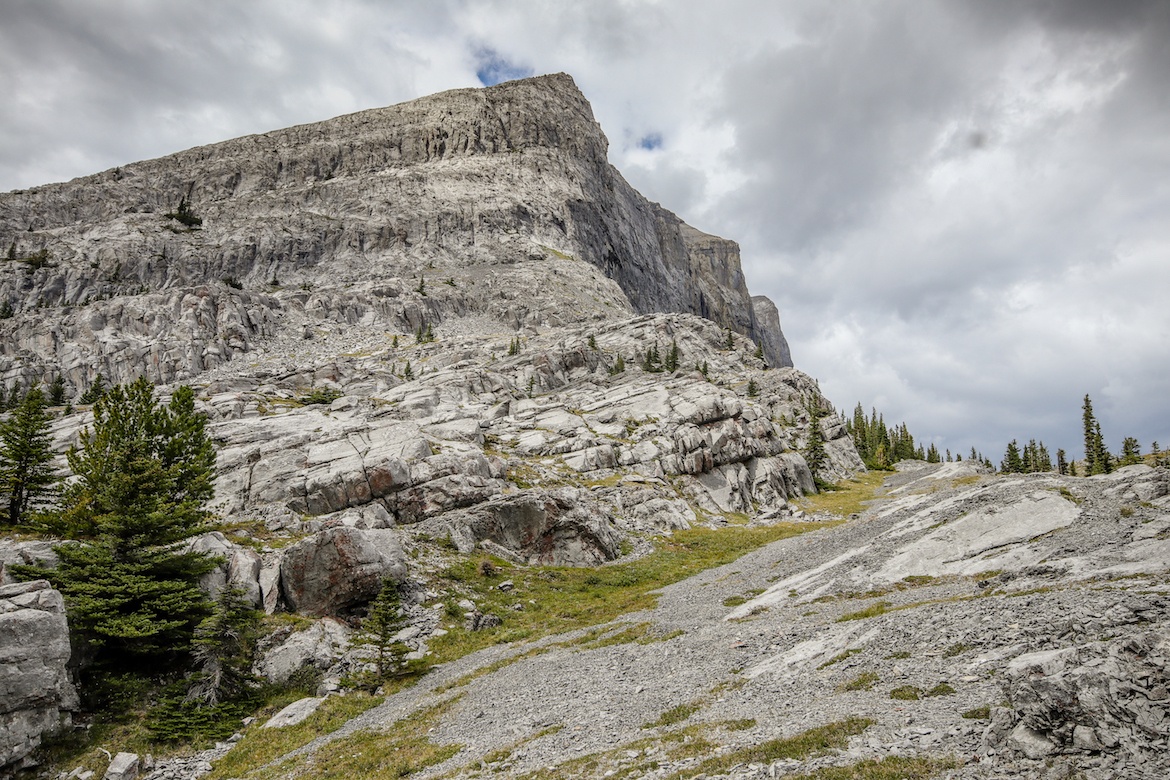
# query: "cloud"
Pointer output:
{"type": "Point", "coordinates": [959, 207]}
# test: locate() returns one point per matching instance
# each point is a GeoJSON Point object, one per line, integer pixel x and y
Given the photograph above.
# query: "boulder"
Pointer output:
{"type": "Point", "coordinates": [339, 568]}
{"type": "Point", "coordinates": [319, 646]}
{"type": "Point", "coordinates": [1098, 697]}
{"type": "Point", "coordinates": [36, 694]}
{"type": "Point", "coordinates": [239, 567]}
{"type": "Point", "coordinates": [124, 766]}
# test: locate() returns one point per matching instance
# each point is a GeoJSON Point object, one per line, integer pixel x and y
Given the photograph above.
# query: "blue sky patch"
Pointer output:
{"type": "Point", "coordinates": [651, 141]}
{"type": "Point", "coordinates": [491, 68]}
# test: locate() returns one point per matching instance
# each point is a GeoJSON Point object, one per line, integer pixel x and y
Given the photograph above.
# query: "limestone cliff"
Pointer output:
{"type": "Point", "coordinates": [459, 203]}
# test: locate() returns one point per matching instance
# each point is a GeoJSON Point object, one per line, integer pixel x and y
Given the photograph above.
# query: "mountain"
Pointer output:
{"type": "Point", "coordinates": [462, 203]}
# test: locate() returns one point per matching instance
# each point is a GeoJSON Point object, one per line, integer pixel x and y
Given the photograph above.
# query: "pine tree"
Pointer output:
{"type": "Point", "coordinates": [619, 365]}
{"type": "Point", "coordinates": [932, 455]}
{"type": "Point", "coordinates": [1101, 462]}
{"type": "Point", "coordinates": [94, 391]}
{"type": "Point", "coordinates": [814, 451]}
{"type": "Point", "coordinates": [730, 340]}
{"type": "Point", "coordinates": [672, 357]}
{"type": "Point", "coordinates": [1012, 463]}
{"type": "Point", "coordinates": [57, 391]}
{"type": "Point", "coordinates": [26, 458]}
{"type": "Point", "coordinates": [1090, 428]}
{"type": "Point", "coordinates": [753, 389]}
{"type": "Point", "coordinates": [1061, 463]}
{"type": "Point", "coordinates": [1131, 452]}
{"type": "Point", "coordinates": [142, 475]}
{"type": "Point", "coordinates": [379, 631]}
{"type": "Point", "coordinates": [222, 650]}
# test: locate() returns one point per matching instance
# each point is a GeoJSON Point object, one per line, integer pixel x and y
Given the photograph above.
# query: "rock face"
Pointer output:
{"type": "Point", "coordinates": [338, 568]}
{"type": "Point", "coordinates": [392, 219]}
{"type": "Point", "coordinates": [36, 694]}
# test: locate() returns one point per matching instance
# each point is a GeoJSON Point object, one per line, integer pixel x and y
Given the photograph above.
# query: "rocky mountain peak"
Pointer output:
{"type": "Point", "coordinates": [504, 194]}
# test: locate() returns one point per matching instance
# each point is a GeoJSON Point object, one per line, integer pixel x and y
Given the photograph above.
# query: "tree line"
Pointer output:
{"type": "Point", "coordinates": [881, 445]}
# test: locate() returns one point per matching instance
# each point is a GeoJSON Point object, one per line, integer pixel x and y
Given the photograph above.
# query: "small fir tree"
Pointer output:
{"type": "Point", "coordinates": [222, 650]}
{"type": "Point", "coordinates": [57, 391]}
{"type": "Point", "coordinates": [1012, 463]}
{"type": "Point", "coordinates": [1131, 452]}
{"type": "Point", "coordinates": [379, 632]}
{"type": "Point", "coordinates": [94, 391]}
{"type": "Point", "coordinates": [26, 457]}
{"type": "Point", "coordinates": [672, 357]}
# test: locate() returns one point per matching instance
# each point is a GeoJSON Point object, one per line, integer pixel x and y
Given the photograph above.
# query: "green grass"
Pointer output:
{"type": "Point", "coordinates": [956, 649]}
{"type": "Point", "coordinates": [554, 600]}
{"type": "Point", "coordinates": [942, 689]}
{"type": "Point", "coordinates": [862, 682]}
{"type": "Point", "coordinates": [839, 657]}
{"type": "Point", "coordinates": [889, 768]}
{"type": "Point", "coordinates": [260, 745]}
{"type": "Point", "coordinates": [906, 693]}
{"type": "Point", "coordinates": [814, 742]}
{"type": "Point", "coordinates": [873, 610]}
{"type": "Point", "coordinates": [400, 750]}
{"type": "Point", "coordinates": [674, 715]}
{"type": "Point", "coordinates": [982, 712]}
{"type": "Point", "coordinates": [849, 498]}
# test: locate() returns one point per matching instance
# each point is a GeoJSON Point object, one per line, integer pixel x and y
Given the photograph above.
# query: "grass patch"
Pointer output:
{"type": "Point", "coordinates": [814, 742]}
{"type": "Point", "coordinates": [862, 682]}
{"type": "Point", "coordinates": [889, 768]}
{"type": "Point", "coordinates": [982, 712]}
{"type": "Point", "coordinates": [839, 657]}
{"type": "Point", "coordinates": [942, 689]}
{"type": "Point", "coordinates": [260, 745]}
{"type": "Point", "coordinates": [674, 715]}
{"type": "Point", "coordinates": [899, 655]}
{"type": "Point", "coordinates": [906, 693]}
{"type": "Point", "coordinates": [956, 649]}
{"type": "Point", "coordinates": [398, 751]}
{"type": "Point", "coordinates": [873, 610]}
{"type": "Point", "coordinates": [849, 498]}
{"type": "Point", "coordinates": [743, 724]}
{"type": "Point", "coordinates": [554, 600]}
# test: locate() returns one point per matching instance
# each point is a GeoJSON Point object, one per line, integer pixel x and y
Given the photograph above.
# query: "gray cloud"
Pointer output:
{"type": "Point", "coordinates": [958, 206]}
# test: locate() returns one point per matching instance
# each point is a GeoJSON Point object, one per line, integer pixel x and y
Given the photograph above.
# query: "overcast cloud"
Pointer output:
{"type": "Point", "coordinates": [962, 209]}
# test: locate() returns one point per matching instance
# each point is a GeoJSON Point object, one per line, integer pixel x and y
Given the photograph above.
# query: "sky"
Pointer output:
{"type": "Point", "coordinates": [961, 208]}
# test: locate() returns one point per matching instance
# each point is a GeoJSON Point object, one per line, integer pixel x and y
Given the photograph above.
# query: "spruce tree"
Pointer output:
{"type": "Point", "coordinates": [1090, 428]}
{"type": "Point", "coordinates": [379, 632]}
{"type": "Point", "coordinates": [26, 471]}
{"type": "Point", "coordinates": [1012, 462]}
{"type": "Point", "coordinates": [57, 391]}
{"type": "Point", "coordinates": [1131, 452]}
{"type": "Point", "coordinates": [223, 645]}
{"type": "Point", "coordinates": [1061, 463]}
{"type": "Point", "coordinates": [1101, 462]}
{"type": "Point", "coordinates": [142, 474]}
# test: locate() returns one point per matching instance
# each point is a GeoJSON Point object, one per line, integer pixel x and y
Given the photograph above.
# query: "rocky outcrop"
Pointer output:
{"type": "Point", "coordinates": [392, 219]}
{"type": "Point", "coordinates": [338, 568]}
{"type": "Point", "coordinates": [1102, 697]}
{"type": "Point", "coordinates": [36, 694]}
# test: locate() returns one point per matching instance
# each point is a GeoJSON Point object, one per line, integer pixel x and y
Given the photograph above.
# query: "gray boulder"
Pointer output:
{"type": "Point", "coordinates": [319, 646]}
{"type": "Point", "coordinates": [36, 694]}
{"type": "Point", "coordinates": [1100, 697]}
{"type": "Point", "coordinates": [339, 568]}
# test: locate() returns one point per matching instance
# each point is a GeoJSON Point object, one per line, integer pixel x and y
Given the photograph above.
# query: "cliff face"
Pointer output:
{"type": "Point", "coordinates": [484, 193]}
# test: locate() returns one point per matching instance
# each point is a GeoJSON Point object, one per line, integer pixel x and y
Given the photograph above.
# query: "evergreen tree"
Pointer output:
{"type": "Point", "coordinates": [142, 475]}
{"type": "Point", "coordinates": [1101, 462]}
{"type": "Point", "coordinates": [753, 389]}
{"type": "Point", "coordinates": [1012, 463]}
{"type": "Point", "coordinates": [57, 391]}
{"type": "Point", "coordinates": [1090, 429]}
{"type": "Point", "coordinates": [222, 650]}
{"type": "Point", "coordinates": [26, 471]}
{"type": "Point", "coordinates": [1131, 452]}
{"type": "Point", "coordinates": [932, 455]}
{"type": "Point", "coordinates": [94, 391]}
{"type": "Point", "coordinates": [814, 451]}
{"type": "Point", "coordinates": [379, 629]}
{"type": "Point", "coordinates": [730, 340]}
{"type": "Point", "coordinates": [1061, 463]}
{"type": "Point", "coordinates": [672, 357]}
{"type": "Point", "coordinates": [619, 365]}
